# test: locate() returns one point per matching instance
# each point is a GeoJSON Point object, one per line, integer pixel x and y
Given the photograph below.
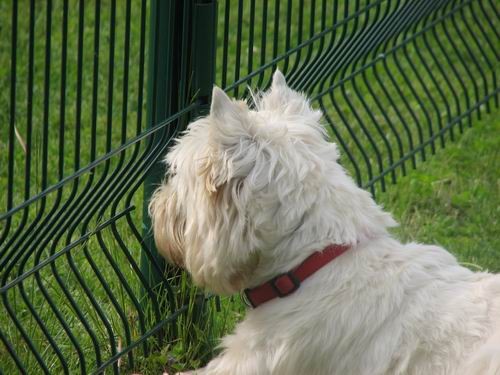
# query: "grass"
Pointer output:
{"type": "Point", "coordinates": [114, 318]}
{"type": "Point", "coordinates": [451, 199]}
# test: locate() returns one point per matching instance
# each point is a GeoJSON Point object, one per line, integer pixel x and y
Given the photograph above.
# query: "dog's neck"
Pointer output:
{"type": "Point", "coordinates": [342, 214]}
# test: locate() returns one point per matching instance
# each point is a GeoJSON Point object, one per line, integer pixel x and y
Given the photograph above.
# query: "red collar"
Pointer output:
{"type": "Point", "coordinates": [287, 283]}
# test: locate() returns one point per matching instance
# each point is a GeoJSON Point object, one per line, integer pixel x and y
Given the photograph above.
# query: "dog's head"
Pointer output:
{"type": "Point", "coordinates": [247, 189]}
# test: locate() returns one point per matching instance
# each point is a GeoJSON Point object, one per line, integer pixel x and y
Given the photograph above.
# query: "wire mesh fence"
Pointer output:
{"type": "Point", "coordinates": [93, 93]}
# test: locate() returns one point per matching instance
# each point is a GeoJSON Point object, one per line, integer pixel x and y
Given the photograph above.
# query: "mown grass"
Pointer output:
{"type": "Point", "coordinates": [443, 201]}
{"type": "Point", "coordinates": [453, 200]}
{"type": "Point", "coordinates": [45, 152]}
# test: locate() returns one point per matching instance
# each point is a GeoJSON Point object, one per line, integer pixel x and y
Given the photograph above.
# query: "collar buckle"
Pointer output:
{"type": "Point", "coordinates": [288, 282]}
{"type": "Point", "coordinates": [285, 284]}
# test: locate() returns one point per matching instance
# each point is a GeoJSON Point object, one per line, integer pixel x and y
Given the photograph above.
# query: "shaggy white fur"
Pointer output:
{"type": "Point", "coordinates": [252, 193]}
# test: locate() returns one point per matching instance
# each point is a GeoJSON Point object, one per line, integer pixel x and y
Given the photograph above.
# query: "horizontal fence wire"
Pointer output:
{"type": "Point", "coordinates": [396, 81]}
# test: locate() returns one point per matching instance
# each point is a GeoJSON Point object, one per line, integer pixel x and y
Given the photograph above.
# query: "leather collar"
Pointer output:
{"type": "Point", "coordinates": [287, 283]}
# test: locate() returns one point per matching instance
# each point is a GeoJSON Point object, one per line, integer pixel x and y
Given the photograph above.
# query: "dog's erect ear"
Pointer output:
{"type": "Point", "coordinates": [230, 118]}
{"type": "Point", "coordinates": [279, 80]}
{"type": "Point", "coordinates": [224, 109]}
{"type": "Point", "coordinates": [221, 103]}
{"type": "Point", "coordinates": [230, 128]}
{"type": "Point", "coordinates": [230, 123]}
{"type": "Point", "coordinates": [282, 98]}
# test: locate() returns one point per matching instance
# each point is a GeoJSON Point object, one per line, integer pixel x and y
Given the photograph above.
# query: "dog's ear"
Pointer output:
{"type": "Point", "coordinates": [279, 81]}
{"type": "Point", "coordinates": [221, 104]}
{"type": "Point", "coordinates": [281, 98]}
{"type": "Point", "coordinates": [229, 130]}
{"type": "Point", "coordinates": [229, 116]}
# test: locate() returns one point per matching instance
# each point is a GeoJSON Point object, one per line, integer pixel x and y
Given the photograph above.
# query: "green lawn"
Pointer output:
{"type": "Point", "coordinates": [453, 199]}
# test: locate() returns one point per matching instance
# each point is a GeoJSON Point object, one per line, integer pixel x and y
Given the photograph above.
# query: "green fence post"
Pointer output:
{"type": "Point", "coordinates": [181, 68]}
{"type": "Point", "coordinates": [204, 52]}
{"type": "Point", "coordinates": [162, 83]}
{"type": "Point", "coordinates": [202, 62]}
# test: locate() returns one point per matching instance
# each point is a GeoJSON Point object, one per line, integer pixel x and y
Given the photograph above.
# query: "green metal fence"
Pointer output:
{"type": "Point", "coordinates": [94, 91]}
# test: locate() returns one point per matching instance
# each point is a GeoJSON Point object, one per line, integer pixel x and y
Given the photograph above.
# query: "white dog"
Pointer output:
{"type": "Point", "coordinates": [253, 194]}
